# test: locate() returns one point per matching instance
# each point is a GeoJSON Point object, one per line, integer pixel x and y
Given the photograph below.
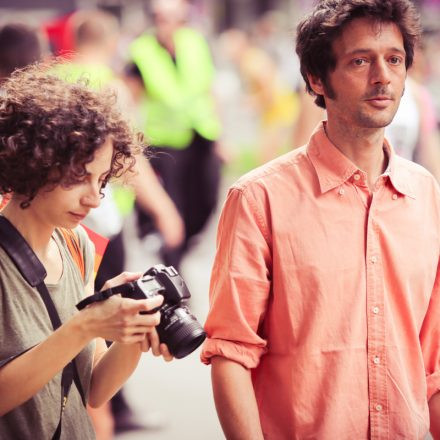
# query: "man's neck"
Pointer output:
{"type": "Point", "coordinates": [364, 147]}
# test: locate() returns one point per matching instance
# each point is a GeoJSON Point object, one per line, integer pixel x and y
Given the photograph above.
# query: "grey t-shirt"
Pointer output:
{"type": "Point", "coordinates": [24, 322]}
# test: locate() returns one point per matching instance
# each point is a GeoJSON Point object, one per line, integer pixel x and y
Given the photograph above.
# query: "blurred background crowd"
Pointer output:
{"type": "Point", "coordinates": [216, 89]}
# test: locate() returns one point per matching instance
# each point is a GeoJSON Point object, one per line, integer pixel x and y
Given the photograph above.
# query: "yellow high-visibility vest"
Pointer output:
{"type": "Point", "coordinates": [96, 76]}
{"type": "Point", "coordinates": [179, 98]}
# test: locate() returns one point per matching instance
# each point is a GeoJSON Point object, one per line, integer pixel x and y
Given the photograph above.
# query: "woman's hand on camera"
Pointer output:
{"type": "Point", "coordinates": [119, 319]}
{"type": "Point", "coordinates": [152, 341]}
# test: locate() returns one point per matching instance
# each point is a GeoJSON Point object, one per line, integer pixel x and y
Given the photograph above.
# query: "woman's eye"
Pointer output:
{"type": "Point", "coordinates": [103, 181]}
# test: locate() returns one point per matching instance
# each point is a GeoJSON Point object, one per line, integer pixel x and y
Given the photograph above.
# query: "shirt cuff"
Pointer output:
{"type": "Point", "coordinates": [245, 354]}
{"type": "Point", "coordinates": [433, 382]}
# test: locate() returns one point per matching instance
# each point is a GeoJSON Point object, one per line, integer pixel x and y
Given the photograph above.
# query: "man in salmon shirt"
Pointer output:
{"type": "Point", "coordinates": [325, 291]}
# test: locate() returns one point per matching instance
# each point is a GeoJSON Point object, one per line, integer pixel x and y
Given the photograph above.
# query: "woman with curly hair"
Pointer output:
{"type": "Point", "coordinates": [59, 145]}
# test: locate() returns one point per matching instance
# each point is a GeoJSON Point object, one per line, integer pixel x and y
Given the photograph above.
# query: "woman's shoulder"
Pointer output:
{"type": "Point", "coordinates": [78, 234]}
{"type": "Point", "coordinates": [86, 247]}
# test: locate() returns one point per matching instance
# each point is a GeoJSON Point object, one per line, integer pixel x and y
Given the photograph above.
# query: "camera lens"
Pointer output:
{"type": "Point", "coordinates": [181, 331]}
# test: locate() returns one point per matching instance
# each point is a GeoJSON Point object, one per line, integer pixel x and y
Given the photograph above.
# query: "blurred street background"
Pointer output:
{"type": "Point", "coordinates": [263, 111]}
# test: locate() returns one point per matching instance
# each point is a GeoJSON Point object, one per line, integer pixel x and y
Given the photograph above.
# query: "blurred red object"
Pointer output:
{"type": "Point", "coordinates": [60, 35]}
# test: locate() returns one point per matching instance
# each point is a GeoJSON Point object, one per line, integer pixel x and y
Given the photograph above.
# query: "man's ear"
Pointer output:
{"type": "Point", "coordinates": [316, 84]}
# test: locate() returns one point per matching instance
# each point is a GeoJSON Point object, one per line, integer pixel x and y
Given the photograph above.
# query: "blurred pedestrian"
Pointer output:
{"type": "Point", "coordinates": [173, 71]}
{"type": "Point", "coordinates": [271, 99]}
{"type": "Point", "coordinates": [19, 46]}
{"type": "Point", "coordinates": [325, 291]}
{"type": "Point", "coordinates": [95, 36]}
{"type": "Point", "coordinates": [60, 143]}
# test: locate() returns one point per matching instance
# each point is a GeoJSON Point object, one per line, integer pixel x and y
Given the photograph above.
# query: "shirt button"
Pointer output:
{"type": "Point", "coordinates": [375, 310]}
{"type": "Point", "coordinates": [373, 259]}
{"type": "Point", "coordinates": [378, 407]}
{"type": "Point", "coordinates": [341, 192]}
{"type": "Point", "coordinates": [356, 177]}
{"type": "Point", "coordinates": [376, 360]}
{"type": "Point", "coordinates": [395, 196]}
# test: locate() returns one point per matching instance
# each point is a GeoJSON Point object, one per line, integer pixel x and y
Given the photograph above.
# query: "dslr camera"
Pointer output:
{"type": "Point", "coordinates": [178, 328]}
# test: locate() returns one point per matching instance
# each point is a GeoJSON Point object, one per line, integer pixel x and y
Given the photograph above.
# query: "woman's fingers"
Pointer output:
{"type": "Point", "coordinates": [154, 342]}
{"type": "Point", "coordinates": [122, 278]}
{"type": "Point", "coordinates": [158, 348]}
{"type": "Point", "coordinates": [165, 352]}
{"type": "Point", "coordinates": [145, 343]}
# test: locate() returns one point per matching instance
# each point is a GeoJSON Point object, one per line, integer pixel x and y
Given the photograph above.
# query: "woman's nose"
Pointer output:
{"type": "Point", "coordinates": [92, 198]}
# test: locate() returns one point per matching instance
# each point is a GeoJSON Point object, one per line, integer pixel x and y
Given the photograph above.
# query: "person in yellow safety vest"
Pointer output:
{"type": "Point", "coordinates": [95, 35]}
{"type": "Point", "coordinates": [173, 69]}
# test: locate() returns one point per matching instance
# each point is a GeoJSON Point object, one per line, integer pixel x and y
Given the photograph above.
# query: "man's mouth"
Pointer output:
{"type": "Point", "coordinates": [380, 101]}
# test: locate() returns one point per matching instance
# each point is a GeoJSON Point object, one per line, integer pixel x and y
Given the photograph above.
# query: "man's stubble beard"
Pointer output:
{"type": "Point", "coordinates": [364, 120]}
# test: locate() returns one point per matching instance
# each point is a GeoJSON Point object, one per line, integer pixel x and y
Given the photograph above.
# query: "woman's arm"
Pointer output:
{"type": "Point", "coordinates": [113, 366]}
{"type": "Point", "coordinates": [23, 377]}
{"type": "Point", "coordinates": [116, 319]}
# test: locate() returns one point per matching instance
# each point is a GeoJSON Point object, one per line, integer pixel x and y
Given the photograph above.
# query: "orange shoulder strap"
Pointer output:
{"type": "Point", "coordinates": [74, 249]}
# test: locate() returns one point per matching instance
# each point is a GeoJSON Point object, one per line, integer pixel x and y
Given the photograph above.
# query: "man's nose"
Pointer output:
{"type": "Point", "coordinates": [380, 72]}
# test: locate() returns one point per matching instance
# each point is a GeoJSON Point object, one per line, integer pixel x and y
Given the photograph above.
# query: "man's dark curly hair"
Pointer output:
{"type": "Point", "coordinates": [317, 31]}
{"type": "Point", "coordinates": [50, 130]}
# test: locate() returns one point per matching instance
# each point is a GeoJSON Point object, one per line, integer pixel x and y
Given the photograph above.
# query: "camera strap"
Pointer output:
{"type": "Point", "coordinates": [34, 273]}
{"type": "Point", "coordinates": [126, 290]}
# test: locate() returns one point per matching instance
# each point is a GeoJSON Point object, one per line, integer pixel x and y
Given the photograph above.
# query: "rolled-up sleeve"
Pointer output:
{"type": "Point", "coordinates": [240, 282]}
{"type": "Point", "coordinates": [430, 340]}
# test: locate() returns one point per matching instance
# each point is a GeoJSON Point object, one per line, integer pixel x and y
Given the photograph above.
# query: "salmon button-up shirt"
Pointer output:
{"type": "Point", "coordinates": [329, 292]}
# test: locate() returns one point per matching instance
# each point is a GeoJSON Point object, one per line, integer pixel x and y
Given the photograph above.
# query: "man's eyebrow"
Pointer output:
{"type": "Point", "coordinates": [361, 51]}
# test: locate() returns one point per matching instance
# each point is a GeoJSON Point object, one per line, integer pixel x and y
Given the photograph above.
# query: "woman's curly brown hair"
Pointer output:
{"type": "Point", "coordinates": [50, 130]}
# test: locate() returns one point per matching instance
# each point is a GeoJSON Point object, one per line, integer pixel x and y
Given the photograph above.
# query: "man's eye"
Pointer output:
{"type": "Point", "coordinates": [396, 60]}
{"type": "Point", "coordinates": [359, 62]}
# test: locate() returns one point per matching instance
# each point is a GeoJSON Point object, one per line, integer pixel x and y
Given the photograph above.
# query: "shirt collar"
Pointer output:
{"type": "Point", "coordinates": [333, 168]}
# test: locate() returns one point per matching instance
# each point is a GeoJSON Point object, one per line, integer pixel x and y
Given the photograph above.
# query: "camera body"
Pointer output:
{"type": "Point", "coordinates": [178, 328]}
{"type": "Point", "coordinates": [161, 280]}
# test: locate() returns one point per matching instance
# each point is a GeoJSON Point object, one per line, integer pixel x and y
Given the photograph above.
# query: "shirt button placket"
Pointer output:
{"type": "Point", "coordinates": [375, 328]}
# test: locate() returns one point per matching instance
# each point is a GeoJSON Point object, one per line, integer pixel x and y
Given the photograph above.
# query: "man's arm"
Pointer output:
{"type": "Point", "coordinates": [235, 400]}
{"type": "Point", "coordinates": [434, 413]}
{"type": "Point", "coordinates": [239, 295]}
